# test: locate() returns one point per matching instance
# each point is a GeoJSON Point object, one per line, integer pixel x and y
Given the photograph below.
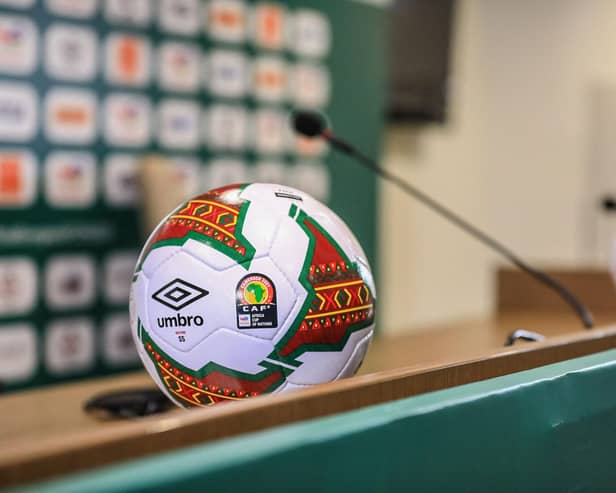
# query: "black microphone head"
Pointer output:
{"type": "Point", "coordinates": [308, 123]}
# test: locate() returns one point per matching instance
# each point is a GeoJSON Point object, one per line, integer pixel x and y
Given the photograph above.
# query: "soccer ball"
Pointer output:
{"type": "Point", "coordinates": [250, 289]}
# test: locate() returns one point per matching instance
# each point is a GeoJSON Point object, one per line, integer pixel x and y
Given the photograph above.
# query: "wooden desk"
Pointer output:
{"type": "Point", "coordinates": [45, 432]}
{"type": "Point", "coordinates": [468, 339]}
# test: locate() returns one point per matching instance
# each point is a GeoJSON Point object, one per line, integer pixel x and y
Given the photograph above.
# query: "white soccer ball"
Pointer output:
{"type": "Point", "coordinates": [250, 289]}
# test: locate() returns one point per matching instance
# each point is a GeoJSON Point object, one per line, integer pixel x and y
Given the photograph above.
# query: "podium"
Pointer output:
{"type": "Point", "coordinates": [451, 408]}
{"type": "Point", "coordinates": [45, 433]}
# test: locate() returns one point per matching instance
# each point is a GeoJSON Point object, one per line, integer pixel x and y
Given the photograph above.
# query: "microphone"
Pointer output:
{"type": "Point", "coordinates": [312, 125]}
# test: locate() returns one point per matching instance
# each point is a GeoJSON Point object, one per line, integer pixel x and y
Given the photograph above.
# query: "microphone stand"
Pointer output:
{"type": "Point", "coordinates": [543, 277]}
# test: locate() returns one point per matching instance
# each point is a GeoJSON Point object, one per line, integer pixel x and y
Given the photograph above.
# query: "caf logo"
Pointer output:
{"type": "Point", "coordinates": [256, 290]}
{"type": "Point", "coordinates": [256, 303]}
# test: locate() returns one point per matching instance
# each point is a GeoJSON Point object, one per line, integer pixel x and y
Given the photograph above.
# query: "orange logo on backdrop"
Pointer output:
{"type": "Point", "coordinates": [271, 29]}
{"type": "Point", "coordinates": [228, 18]}
{"type": "Point", "coordinates": [128, 57]}
{"type": "Point", "coordinates": [270, 78]}
{"type": "Point", "coordinates": [72, 115]}
{"type": "Point", "coordinates": [11, 180]}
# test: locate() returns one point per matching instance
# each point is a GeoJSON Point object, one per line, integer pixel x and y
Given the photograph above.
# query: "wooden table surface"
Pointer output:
{"type": "Point", "coordinates": [467, 339]}
{"type": "Point", "coordinates": [41, 421]}
{"type": "Point", "coordinates": [41, 415]}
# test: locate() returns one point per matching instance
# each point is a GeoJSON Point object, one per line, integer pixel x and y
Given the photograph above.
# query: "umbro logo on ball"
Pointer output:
{"type": "Point", "coordinates": [178, 294]}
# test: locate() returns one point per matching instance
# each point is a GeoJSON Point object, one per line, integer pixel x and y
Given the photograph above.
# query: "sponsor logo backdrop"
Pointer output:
{"type": "Point", "coordinates": [88, 86]}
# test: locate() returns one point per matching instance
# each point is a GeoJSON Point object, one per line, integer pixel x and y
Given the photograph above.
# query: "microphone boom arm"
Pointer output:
{"type": "Point", "coordinates": [582, 312]}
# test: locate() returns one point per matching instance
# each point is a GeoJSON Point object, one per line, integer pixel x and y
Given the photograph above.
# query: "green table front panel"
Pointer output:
{"type": "Point", "coordinates": [547, 429]}
{"type": "Point", "coordinates": [69, 229]}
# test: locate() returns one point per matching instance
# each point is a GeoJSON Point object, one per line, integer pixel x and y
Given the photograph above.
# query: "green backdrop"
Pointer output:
{"type": "Point", "coordinates": [47, 342]}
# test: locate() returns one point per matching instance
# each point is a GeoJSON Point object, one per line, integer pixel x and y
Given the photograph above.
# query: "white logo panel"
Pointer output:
{"type": "Point", "coordinates": [120, 180]}
{"type": "Point", "coordinates": [227, 20]}
{"type": "Point", "coordinates": [127, 120]}
{"type": "Point", "coordinates": [180, 16]}
{"type": "Point", "coordinates": [18, 352]}
{"type": "Point", "coordinates": [228, 73]}
{"type": "Point", "coordinates": [269, 26]}
{"type": "Point", "coordinates": [73, 8]}
{"type": "Point", "coordinates": [178, 124]}
{"type": "Point", "coordinates": [71, 52]}
{"type": "Point", "coordinates": [185, 176]}
{"type": "Point", "coordinates": [222, 171]}
{"type": "Point", "coordinates": [179, 66]}
{"type": "Point", "coordinates": [270, 172]}
{"type": "Point", "coordinates": [18, 112]}
{"type": "Point", "coordinates": [69, 346]}
{"type": "Point", "coordinates": [227, 127]}
{"type": "Point", "coordinates": [117, 275]}
{"type": "Point", "coordinates": [70, 282]}
{"type": "Point", "coordinates": [313, 178]}
{"type": "Point", "coordinates": [127, 59]}
{"type": "Point", "coordinates": [135, 12]}
{"type": "Point", "coordinates": [270, 79]}
{"type": "Point", "coordinates": [70, 179]}
{"type": "Point", "coordinates": [18, 45]}
{"type": "Point", "coordinates": [70, 116]}
{"type": "Point", "coordinates": [270, 131]}
{"type": "Point", "coordinates": [311, 33]}
{"type": "Point", "coordinates": [118, 345]}
{"type": "Point", "coordinates": [18, 178]}
{"type": "Point", "coordinates": [311, 85]}
{"type": "Point", "coordinates": [18, 286]}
